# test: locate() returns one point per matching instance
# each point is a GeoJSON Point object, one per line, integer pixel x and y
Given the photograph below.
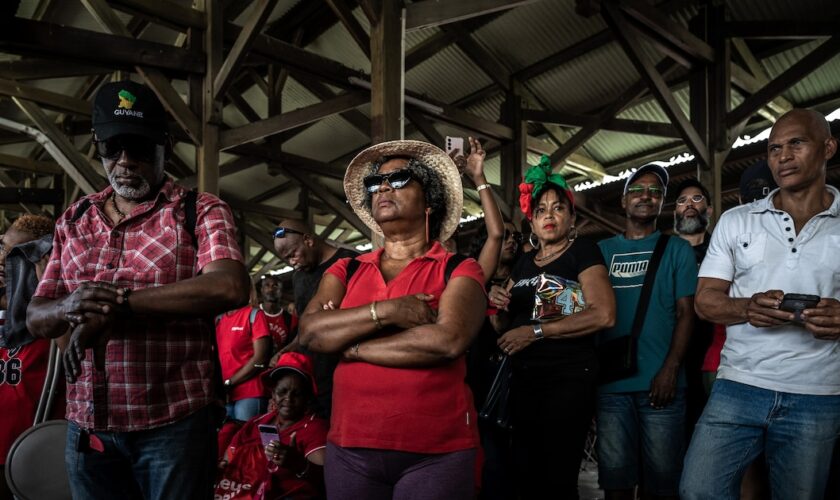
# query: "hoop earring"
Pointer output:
{"type": "Point", "coordinates": [570, 237]}
{"type": "Point", "coordinates": [531, 241]}
{"type": "Point", "coordinates": [428, 210]}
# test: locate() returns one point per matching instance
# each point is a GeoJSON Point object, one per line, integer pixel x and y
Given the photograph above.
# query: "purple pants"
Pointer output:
{"type": "Point", "coordinates": [353, 473]}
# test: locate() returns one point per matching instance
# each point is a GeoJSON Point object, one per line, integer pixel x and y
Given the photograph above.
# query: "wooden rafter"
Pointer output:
{"type": "Point", "coordinates": [429, 13]}
{"type": "Point", "coordinates": [338, 206]}
{"type": "Point", "coordinates": [788, 78]}
{"type": "Point", "coordinates": [23, 36]}
{"type": "Point", "coordinates": [345, 15]}
{"type": "Point", "coordinates": [614, 124]}
{"type": "Point", "coordinates": [237, 53]}
{"type": "Point", "coordinates": [287, 121]}
{"type": "Point", "coordinates": [630, 41]}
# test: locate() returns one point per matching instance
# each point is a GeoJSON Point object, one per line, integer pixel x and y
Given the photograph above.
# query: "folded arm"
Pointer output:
{"type": "Point", "coordinates": [460, 315]}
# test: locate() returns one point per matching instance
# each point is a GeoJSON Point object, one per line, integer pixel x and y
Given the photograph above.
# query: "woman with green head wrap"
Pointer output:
{"type": "Point", "coordinates": [558, 297]}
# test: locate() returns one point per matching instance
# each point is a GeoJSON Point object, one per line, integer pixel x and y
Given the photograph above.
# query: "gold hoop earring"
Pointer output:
{"type": "Point", "coordinates": [531, 241]}
{"type": "Point", "coordinates": [570, 237]}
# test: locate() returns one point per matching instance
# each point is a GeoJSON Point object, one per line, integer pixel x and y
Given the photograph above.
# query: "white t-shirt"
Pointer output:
{"type": "Point", "coordinates": [756, 248]}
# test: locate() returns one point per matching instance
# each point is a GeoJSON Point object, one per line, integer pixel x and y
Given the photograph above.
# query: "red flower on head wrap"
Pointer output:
{"type": "Point", "coordinates": [534, 183]}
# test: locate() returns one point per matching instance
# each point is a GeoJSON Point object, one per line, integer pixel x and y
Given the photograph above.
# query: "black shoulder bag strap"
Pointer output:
{"type": "Point", "coordinates": [647, 287]}
{"type": "Point", "coordinates": [451, 264]}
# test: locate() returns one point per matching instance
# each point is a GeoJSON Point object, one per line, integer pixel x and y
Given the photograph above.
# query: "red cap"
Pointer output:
{"type": "Point", "coordinates": [295, 362]}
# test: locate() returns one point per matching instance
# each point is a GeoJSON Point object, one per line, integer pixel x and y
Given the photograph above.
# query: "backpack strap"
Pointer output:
{"type": "Point", "coordinates": [80, 210]}
{"type": "Point", "coordinates": [352, 267]}
{"type": "Point", "coordinates": [190, 217]}
{"type": "Point", "coordinates": [453, 264]}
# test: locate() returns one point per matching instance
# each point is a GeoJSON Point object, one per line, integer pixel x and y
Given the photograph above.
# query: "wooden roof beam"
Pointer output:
{"type": "Point", "coordinates": [784, 81]}
{"type": "Point", "coordinates": [429, 13]}
{"type": "Point", "coordinates": [50, 100]}
{"type": "Point", "coordinates": [791, 29]}
{"type": "Point", "coordinates": [29, 165]}
{"type": "Point", "coordinates": [164, 12]}
{"type": "Point", "coordinates": [615, 124]}
{"type": "Point", "coordinates": [237, 53]}
{"type": "Point", "coordinates": [22, 36]}
{"type": "Point", "coordinates": [663, 26]}
{"type": "Point", "coordinates": [345, 15]}
{"type": "Point", "coordinates": [82, 171]}
{"type": "Point", "coordinates": [628, 36]}
{"type": "Point", "coordinates": [287, 121]}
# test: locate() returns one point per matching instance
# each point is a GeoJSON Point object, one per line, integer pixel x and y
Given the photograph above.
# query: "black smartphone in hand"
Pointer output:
{"type": "Point", "coordinates": [798, 302]}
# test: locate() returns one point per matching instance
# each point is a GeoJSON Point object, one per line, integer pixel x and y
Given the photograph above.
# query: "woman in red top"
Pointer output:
{"type": "Point", "coordinates": [244, 344]}
{"type": "Point", "coordinates": [403, 423]}
{"type": "Point", "coordinates": [285, 464]}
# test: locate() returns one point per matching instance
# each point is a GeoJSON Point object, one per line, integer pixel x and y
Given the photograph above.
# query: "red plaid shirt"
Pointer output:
{"type": "Point", "coordinates": [156, 371]}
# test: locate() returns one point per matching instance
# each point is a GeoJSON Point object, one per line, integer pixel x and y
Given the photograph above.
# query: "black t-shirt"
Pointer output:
{"type": "Point", "coordinates": [306, 282]}
{"type": "Point", "coordinates": [582, 254]}
{"type": "Point", "coordinates": [323, 365]}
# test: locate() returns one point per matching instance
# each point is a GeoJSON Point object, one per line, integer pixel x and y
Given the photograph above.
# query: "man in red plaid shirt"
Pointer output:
{"type": "Point", "coordinates": [133, 285]}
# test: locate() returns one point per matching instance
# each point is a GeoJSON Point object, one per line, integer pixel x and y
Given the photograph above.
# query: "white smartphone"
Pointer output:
{"type": "Point", "coordinates": [455, 143]}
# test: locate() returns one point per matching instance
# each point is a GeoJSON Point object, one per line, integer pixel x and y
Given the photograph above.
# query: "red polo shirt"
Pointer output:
{"type": "Point", "coordinates": [419, 410]}
{"type": "Point", "coordinates": [235, 336]}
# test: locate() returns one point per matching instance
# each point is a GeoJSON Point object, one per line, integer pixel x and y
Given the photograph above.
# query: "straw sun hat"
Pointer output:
{"type": "Point", "coordinates": [428, 154]}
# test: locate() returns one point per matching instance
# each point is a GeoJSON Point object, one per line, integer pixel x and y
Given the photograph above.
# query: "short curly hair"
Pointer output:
{"type": "Point", "coordinates": [36, 225]}
{"type": "Point", "coordinates": [433, 190]}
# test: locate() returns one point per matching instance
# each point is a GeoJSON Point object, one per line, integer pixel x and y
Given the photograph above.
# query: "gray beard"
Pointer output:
{"type": "Point", "coordinates": [691, 225]}
{"type": "Point", "coordinates": [130, 193]}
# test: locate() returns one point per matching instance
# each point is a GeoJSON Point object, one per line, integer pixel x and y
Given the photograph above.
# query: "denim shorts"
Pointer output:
{"type": "Point", "coordinates": [630, 432]}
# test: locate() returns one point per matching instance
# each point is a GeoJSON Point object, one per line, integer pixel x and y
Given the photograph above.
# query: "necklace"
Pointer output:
{"type": "Point", "coordinates": [552, 254]}
{"type": "Point", "coordinates": [120, 213]}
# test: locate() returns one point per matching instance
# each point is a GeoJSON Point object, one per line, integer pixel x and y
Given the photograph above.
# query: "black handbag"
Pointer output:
{"type": "Point", "coordinates": [618, 358]}
{"type": "Point", "coordinates": [496, 408]}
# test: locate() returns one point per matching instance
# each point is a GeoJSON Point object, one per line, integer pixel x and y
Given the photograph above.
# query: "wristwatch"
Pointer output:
{"type": "Point", "coordinates": [538, 333]}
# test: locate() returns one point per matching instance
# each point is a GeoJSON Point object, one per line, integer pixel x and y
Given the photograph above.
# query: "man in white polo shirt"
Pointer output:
{"type": "Point", "coordinates": [778, 387]}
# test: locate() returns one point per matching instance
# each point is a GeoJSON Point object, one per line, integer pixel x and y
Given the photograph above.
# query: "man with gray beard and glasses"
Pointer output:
{"type": "Point", "coordinates": [691, 220]}
{"type": "Point", "coordinates": [692, 213]}
{"type": "Point", "coordinates": [136, 270]}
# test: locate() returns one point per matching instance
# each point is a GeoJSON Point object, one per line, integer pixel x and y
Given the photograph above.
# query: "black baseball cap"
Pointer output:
{"type": "Point", "coordinates": [756, 182]}
{"type": "Point", "coordinates": [128, 107]}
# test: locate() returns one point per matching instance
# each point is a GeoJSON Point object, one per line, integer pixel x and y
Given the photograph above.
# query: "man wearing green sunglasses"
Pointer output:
{"type": "Point", "coordinates": [646, 410]}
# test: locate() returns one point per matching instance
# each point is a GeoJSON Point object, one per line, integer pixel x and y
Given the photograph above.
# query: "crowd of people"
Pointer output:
{"type": "Point", "coordinates": [703, 363]}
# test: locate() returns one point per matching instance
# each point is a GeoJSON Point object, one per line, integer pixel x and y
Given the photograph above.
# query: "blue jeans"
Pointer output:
{"type": "Point", "coordinates": [173, 461]}
{"type": "Point", "coordinates": [627, 423]}
{"type": "Point", "coordinates": [797, 433]}
{"type": "Point", "coordinates": [246, 409]}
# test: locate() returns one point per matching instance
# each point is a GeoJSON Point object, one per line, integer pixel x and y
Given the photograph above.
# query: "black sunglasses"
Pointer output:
{"type": "Point", "coordinates": [136, 147]}
{"type": "Point", "coordinates": [281, 232]}
{"type": "Point", "coordinates": [396, 179]}
{"type": "Point", "coordinates": [517, 236]}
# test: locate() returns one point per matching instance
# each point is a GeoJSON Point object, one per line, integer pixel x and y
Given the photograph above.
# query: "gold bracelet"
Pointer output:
{"type": "Point", "coordinates": [373, 315]}
{"type": "Point", "coordinates": [483, 186]}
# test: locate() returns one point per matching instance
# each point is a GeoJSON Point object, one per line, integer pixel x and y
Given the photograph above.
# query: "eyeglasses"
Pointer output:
{"type": "Point", "coordinates": [136, 147]}
{"type": "Point", "coordinates": [516, 235]}
{"type": "Point", "coordinates": [697, 198]}
{"type": "Point", "coordinates": [281, 232]}
{"type": "Point", "coordinates": [396, 179]}
{"type": "Point", "coordinates": [653, 191]}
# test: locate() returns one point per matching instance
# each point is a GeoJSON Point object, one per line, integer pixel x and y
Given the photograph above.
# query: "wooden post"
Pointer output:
{"type": "Point", "coordinates": [387, 50]}
{"type": "Point", "coordinates": [513, 154]}
{"type": "Point", "coordinates": [207, 157]}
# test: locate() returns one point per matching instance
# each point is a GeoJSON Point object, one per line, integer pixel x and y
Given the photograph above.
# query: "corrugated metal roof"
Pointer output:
{"type": "Point", "coordinates": [444, 76]}
{"type": "Point", "coordinates": [580, 85]}
{"type": "Point", "coordinates": [816, 84]}
{"type": "Point", "coordinates": [541, 28]}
